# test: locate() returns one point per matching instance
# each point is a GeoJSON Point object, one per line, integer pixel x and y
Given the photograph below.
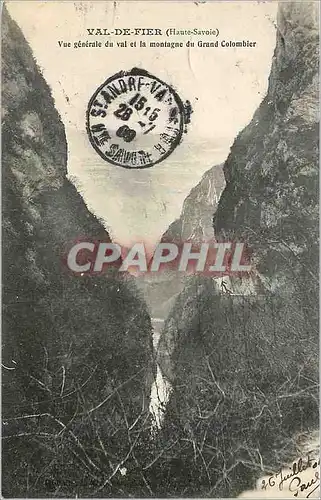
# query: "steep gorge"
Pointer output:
{"type": "Point", "coordinates": [78, 351]}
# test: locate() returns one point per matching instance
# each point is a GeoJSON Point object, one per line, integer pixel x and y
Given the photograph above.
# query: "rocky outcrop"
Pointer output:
{"type": "Point", "coordinates": [271, 197]}
{"type": "Point", "coordinates": [244, 367]}
{"type": "Point", "coordinates": [195, 222]}
{"type": "Point", "coordinates": [195, 225]}
{"type": "Point", "coordinates": [77, 351]}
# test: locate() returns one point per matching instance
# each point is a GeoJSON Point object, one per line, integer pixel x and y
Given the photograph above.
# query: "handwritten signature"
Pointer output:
{"type": "Point", "coordinates": [292, 479]}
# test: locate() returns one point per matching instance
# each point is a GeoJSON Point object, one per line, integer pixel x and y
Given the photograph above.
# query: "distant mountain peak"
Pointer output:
{"type": "Point", "coordinates": [196, 220]}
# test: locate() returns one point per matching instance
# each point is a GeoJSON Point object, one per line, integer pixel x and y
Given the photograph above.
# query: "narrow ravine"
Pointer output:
{"type": "Point", "coordinates": [161, 387]}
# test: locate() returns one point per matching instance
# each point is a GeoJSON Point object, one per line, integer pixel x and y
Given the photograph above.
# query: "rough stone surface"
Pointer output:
{"type": "Point", "coordinates": [69, 342]}
{"type": "Point", "coordinates": [244, 367]}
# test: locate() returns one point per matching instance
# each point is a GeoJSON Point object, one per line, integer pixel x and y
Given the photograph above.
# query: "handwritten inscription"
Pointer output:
{"type": "Point", "coordinates": [293, 480]}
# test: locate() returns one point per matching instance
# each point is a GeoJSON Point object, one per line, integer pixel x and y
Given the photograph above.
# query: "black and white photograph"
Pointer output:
{"type": "Point", "coordinates": [160, 249]}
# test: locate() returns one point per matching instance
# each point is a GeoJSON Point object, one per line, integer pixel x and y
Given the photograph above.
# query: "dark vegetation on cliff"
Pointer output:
{"type": "Point", "coordinates": [244, 372]}
{"type": "Point", "coordinates": [244, 367]}
{"type": "Point", "coordinates": [77, 352]}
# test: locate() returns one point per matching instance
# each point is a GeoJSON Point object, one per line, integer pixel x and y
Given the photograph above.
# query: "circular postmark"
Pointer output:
{"type": "Point", "coordinates": [135, 120]}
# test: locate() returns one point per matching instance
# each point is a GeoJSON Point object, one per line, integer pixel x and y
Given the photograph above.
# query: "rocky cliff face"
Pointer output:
{"type": "Point", "coordinates": [195, 222]}
{"type": "Point", "coordinates": [77, 351]}
{"type": "Point", "coordinates": [271, 197]}
{"type": "Point", "coordinates": [244, 367]}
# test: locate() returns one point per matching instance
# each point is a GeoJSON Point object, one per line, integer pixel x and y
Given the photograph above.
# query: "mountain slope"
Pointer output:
{"type": "Point", "coordinates": [244, 368]}
{"type": "Point", "coordinates": [77, 351]}
{"type": "Point", "coordinates": [195, 221]}
{"type": "Point", "coordinates": [271, 197]}
{"type": "Point", "coordinates": [195, 225]}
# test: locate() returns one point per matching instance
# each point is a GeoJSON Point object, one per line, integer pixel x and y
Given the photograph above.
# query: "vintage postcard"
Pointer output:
{"type": "Point", "coordinates": [160, 227]}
